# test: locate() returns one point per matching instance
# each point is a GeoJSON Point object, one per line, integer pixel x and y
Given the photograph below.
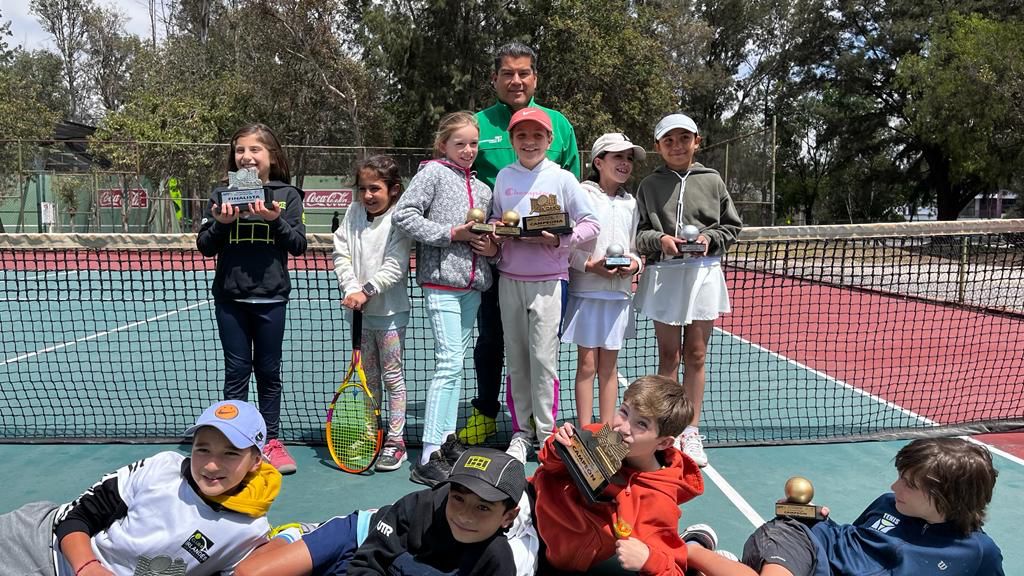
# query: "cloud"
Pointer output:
{"type": "Point", "coordinates": [28, 34]}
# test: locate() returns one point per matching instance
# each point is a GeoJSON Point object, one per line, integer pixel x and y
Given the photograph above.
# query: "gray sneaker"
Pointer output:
{"type": "Point", "coordinates": [391, 457]}
{"type": "Point", "coordinates": [701, 534]}
{"type": "Point", "coordinates": [520, 446]}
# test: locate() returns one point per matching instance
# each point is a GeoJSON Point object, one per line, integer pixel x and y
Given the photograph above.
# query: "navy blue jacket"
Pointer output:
{"type": "Point", "coordinates": [884, 542]}
{"type": "Point", "coordinates": [252, 254]}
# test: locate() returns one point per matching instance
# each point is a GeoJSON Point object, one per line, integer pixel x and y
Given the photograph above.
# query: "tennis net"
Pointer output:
{"type": "Point", "coordinates": [836, 333]}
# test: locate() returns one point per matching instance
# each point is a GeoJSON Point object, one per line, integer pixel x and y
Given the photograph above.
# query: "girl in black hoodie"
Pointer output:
{"type": "Point", "coordinates": [251, 285]}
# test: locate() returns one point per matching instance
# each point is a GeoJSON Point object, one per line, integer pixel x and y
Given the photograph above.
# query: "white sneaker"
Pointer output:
{"type": "Point", "coordinates": [701, 534]}
{"type": "Point", "coordinates": [520, 446]}
{"type": "Point", "coordinates": [693, 446]}
{"type": "Point", "coordinates": [727, 555]}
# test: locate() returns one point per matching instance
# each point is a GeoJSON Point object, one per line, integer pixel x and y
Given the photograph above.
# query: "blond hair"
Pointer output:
{"type": "Point", "coordinates": [450, 124]}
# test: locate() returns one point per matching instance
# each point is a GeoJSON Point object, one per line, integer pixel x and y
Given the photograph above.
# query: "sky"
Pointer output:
{"type": "Point", "coordinates": [28, 34]}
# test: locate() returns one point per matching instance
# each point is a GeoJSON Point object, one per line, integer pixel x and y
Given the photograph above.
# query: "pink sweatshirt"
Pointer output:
{"type": "Point", "coordinates": [513, 190]}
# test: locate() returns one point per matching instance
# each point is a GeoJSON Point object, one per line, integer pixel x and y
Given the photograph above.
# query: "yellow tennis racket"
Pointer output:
{"type": "Point", "coordinates": [355, 430]}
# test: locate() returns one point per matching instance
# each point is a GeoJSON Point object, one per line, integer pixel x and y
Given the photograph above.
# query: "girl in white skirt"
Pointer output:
{"type": "Point", "coordinates": [599, 312]}
{"type": "Point", "coordinates": [684, 292]}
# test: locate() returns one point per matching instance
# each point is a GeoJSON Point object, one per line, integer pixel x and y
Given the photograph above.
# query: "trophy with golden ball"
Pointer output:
{"type": "Point", "coordinates": [478, 217]}
{"type": "Point", "coordinates": [799, 493]}
{"type": "Point", "coordinates": [509, 225]}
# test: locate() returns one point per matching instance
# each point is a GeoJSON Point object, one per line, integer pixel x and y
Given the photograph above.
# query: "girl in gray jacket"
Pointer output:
{"type": "Point", "coordinates": [451, 268]}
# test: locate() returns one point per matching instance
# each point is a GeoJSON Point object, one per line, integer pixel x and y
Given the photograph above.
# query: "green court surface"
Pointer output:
{"type": "Point", "coordinates": [741, 484]}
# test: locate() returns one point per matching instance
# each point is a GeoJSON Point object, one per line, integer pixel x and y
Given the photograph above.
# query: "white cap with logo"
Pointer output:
{"type": "Point", "coordinates": [673, 121]}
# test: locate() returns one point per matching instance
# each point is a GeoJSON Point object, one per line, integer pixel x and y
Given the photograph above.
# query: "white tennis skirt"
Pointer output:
{"type": "Point", "coordinates": [598, 323]}
{"type": "Point", "coordinates": [679, 291]}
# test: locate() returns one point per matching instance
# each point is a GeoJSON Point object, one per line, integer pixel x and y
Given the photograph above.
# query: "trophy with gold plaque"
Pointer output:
{"type": "Point", "coordinates": [797, 505]}
{"type": "Point", "coordinates": [592, 459]}
{"type": "Point", "coordinates": [509, 225]}
{"type": "Point", "coordinates": [549, 218]}
{"type": "Point", "coordinates": [478, 217]}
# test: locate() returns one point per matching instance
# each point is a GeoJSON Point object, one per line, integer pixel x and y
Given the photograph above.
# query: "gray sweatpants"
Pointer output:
{"type": "Point", "coordinates": [27, 536]}
{"type": "Point", "coordinates": [531, 313]}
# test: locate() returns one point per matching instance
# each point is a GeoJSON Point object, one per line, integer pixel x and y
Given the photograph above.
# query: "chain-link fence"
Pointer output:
{"type": "Point", "coordinates": [162, 187]}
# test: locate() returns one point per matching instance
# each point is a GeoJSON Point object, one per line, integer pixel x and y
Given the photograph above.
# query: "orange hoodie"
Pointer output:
{"type": "Point", "coordinates": [579, 535]}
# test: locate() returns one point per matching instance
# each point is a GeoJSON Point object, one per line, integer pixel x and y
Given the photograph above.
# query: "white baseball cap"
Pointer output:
{"type": "Point", "coordinates": [616, 142]}
{"type": "Point", "coordinates": [673, 121]}
{"type": "Point", "coordinates": [240, 421]}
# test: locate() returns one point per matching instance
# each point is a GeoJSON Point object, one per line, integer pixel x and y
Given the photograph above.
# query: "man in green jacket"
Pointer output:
{"type": "Point", "coordinates": [515, 81]}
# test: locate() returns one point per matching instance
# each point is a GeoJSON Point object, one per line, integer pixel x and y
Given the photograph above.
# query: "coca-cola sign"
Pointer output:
{"type": "Point", "coordinates": [327, 198]}
{"type": "Point", "coordinates": [111, 198]}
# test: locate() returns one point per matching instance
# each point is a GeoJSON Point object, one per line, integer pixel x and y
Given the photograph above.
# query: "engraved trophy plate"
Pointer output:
{"type": "Point", "coordinates": [592, 459]}
{"type": "Point", "coordinates": [244, 188]}
{"type": "Point", "coordinates": [614, 258]}
{"type": "Point", "coordinates": [549, 218]}
{"type": "Point", "coordinates": [509, 225]}
{"type": "Point", "coordinates": [690, 247]}
{"type": "Point", "coordinates": [799, 493]}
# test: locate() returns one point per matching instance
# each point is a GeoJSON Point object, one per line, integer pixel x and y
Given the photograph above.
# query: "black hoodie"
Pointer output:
{"type": "Point", "coordinates": [252, 254]}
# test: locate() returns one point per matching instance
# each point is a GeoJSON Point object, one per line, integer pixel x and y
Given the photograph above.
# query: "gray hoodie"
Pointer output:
{"type": "Point", "coordinates": [705, 203]}
{"type": "Point", "coordinates": [438, 199]}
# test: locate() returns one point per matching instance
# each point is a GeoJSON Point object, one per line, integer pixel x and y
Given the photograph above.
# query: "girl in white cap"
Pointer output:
{"type": "Point", "coordinates": [599, 312]}
{"type": "Point", "coordinates": [684, 292]}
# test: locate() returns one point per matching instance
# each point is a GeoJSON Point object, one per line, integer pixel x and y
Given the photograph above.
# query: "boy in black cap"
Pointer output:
{"type": "Point", "coordinates": [456, 527]}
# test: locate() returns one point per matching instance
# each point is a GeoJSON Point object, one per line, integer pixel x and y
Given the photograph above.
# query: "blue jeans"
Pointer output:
{"type": "Point", "coordinates": [252, 335]}
{"type": "Point", "coordinates": [452, 315]}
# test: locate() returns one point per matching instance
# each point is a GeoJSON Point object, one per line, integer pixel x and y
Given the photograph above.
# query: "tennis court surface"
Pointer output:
{"type": "Point", "coordinates": [837, 334]}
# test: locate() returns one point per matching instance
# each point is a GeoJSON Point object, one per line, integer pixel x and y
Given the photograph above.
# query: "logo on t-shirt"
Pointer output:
{"type": "Point", "coordinates": [198, 545]}
{"type": "Point", "coordinates": [886, 523]}
{"type": "Point", "coordinates": [160, 566]}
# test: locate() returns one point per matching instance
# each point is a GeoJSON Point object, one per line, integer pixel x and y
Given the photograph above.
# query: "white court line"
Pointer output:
{"type": "Point", "coordinates": [867, 394]}
{"type": "Point", "coordinates": [737, 500]}
{"type": "Point", "coordinates": [104, 333]}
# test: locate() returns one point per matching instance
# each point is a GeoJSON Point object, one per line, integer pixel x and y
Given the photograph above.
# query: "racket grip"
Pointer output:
{"type": "Point", "coordinates": [357, 328]}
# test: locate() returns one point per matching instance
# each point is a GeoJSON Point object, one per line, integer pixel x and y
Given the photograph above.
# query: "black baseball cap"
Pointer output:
{"type": "Point", "coordinates": [491, 474]}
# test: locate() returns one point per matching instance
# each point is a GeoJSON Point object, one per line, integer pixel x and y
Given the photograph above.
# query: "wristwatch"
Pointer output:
{"type": "Point", "coordinates": [370, 290]}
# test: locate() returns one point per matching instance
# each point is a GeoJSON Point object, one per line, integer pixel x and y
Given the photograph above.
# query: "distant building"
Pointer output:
{"type": "Point", "coordinates": [996, 205]}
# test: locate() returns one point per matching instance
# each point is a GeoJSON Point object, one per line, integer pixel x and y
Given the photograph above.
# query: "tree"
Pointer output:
{"type": "Point", "coordinates": [110, 55]}
{"type": "Point", "coordinates": [65, 20]}
{"type": "Point", "coordinates": [964, 107]}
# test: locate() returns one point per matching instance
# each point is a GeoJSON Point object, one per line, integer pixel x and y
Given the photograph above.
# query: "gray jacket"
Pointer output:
{"type": "Point", "coordinates": [438, 199]}
{"type": "Point", "coordinates": [705, 203]}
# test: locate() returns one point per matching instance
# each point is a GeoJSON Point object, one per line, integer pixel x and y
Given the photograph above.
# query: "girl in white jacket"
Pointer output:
{"type": "Point", "coordinates": [599, 313]}
{"type": "Point", "coordinates": [371, 259]}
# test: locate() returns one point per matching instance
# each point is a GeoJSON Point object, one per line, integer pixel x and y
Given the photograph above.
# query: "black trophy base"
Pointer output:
{"type": "Point", "coordinates": [557, 223]}
{"type": "Point", "coordinates": [690, 249]}
{"type": "Point", "coordinates": [242, 197]}
{"type": "Point", "coordinates": [583, 467]}
{"type": "Point", "coordinates": [799, 511]}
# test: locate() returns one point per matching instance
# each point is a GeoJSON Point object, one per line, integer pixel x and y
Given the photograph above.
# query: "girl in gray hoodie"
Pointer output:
{"type": "Point", "coordinates": [451, 268]}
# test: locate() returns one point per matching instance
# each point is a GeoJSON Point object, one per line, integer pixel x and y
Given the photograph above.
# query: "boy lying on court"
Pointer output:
{"type": "Point", "coordinates": [929, 524]}
{"type": "Point", "coordinates": [166, 514]}
{"type": "Point", "coordinates": [455, 527]}
{"type": "Point", "coordinates": [640, 526]}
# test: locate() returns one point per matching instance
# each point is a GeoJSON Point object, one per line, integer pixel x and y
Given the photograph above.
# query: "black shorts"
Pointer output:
{"type": "Point", "coordinates": [781, 541]}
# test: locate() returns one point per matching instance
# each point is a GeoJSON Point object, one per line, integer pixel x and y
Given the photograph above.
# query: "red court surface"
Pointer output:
{"type": "Point", "coordinates": [947, 364]}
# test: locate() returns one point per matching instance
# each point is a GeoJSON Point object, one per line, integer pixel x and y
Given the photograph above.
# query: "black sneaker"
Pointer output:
{"type": "Point", "coordinates": [451, 450]}
{"type": "Point", "coordinates": [432, 473]}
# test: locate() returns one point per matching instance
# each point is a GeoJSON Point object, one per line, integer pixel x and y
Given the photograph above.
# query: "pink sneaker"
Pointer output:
{"type": "Point", "coordinates": [279, 457]}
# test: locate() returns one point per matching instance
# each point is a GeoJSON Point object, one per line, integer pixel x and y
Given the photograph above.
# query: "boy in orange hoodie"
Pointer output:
{"type": "Point", "coordinates": [640, 526]}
